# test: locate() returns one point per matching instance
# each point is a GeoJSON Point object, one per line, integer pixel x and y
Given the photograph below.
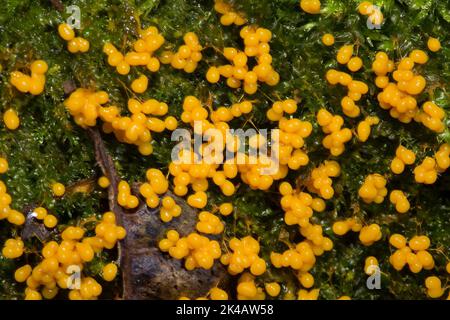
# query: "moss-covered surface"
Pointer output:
{"type": "Point", "coordinates": [49, 147]}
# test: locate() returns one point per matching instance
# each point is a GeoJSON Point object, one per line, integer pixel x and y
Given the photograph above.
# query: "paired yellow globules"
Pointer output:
{"type": "Point", "coordinates": [434, 288]}
{"type": "Point", "coordinates": [74, 44]}
{"type": "Point", "coordinates": [364, 127]}
{"type": "Point", "coordinates": [124, 196]}
{"type": "Point", "coordinates": [402, 157]}
{"type": "Point", "coordinates": [340, 228]}
{"type": "Point", "coordinates": [229, 16]}
{"type": "Point", "coordinates": [13, 248]}
{"type": "Point", "coordinates": [33, 84]}
{"type": "Point", "coordinates": [398, 198]}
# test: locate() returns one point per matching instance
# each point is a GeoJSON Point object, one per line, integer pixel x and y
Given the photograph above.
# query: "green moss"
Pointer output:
{"type": "Point", "coordinates": [50, 147]}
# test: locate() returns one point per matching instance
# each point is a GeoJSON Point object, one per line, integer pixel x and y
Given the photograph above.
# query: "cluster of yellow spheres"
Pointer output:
{"type": "Point", "coordinates": [336, 136]}
{"type": "Point", "coordinates": [320, 181]}
{"type": "Point", "coordinates": [300, 258]}
{"type": "Point", "coordinates": [313, 234]}
{"type": "Point", "coordinates": [59, 261]}
{"type": "Point", "coordinates": [426, 172]}
{"type": "Point", "coordinates": [74, 44]}
{"type": "Point", "coordinates": [431, 116]}
{"type": "Point", "coordinates": [375, 15]}
{"type": "Point", "coordinates": [256, 41]}
{"type": "Point", "coordinates": [194, 174]}
{"type": "Point", "coordinates": [365, 127]}
{"type": "Point", "coordinates": [399, 200]}
{"type": "Point", "coordinates": [33, 83]}
{"type": "Point", "coordinates": [169, 209]}
{"type": "Point", "coordinates": [342, 227]}
{"type": "Point", "coordinates": [188, 55]}
{"type": "Point", "coordinates": [254, 174]}
{"type": "Point", "coordinates": [279, 108]}
{"type": "Point", "coordinates": [143, 55]}
{"type": "Point", "coordinates": [400, 87]}
{"type": "Point", "coordinates": [292, 134]}
{"type": "Point", "coordinates": [247, 289]}
{"type": "Point", "coordinates": [156, 185]}
{"type": "Point", "coordinates": [229, 15]}
{"type": "Point", "coordinates": [209, 223]}
{"type": "Point", "coordinates": [355, 88]}
{"type": "Point", "coordinates": [403, 157]}
{"type": "Point", "coordinates": [224, 114]}
{"type": "Point", "coordinates": [399, 97]}
{"type": "Point", "coordinates": [244, 255]}
{"type": "Point", "coordinates": [124, 196]}
{"type": "Point", "coordinates": [193, 111]}
{"type": "Point", "coordinates": [84, 105]}
{"type": "Point", "coordinates": [370, 234]}
{"type": "Point", "coordinates": [11, 119]}
{"type": "Point", "coordinates": [298, 206]}
{"type": "Point", "coordinates": [138, 128]}
{"type": "Point", "coordinates": [434, 287]}
{"type": "Point", "coordinates": [107, 233]}
{"type": "Point", "coordinates": [197, 250]}
{"type": "Point", "coordinates": [13, 248]}
{"type": "Point", "coordinates": [413, 253]}
{"type": "Point", "coordinates": [310, 6]}
{"type": "Point", "coordinates": [373, 189]}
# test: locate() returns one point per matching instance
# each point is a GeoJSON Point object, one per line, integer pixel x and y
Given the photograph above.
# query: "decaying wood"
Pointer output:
{"type": "Point", "coordinates": [33, 227]}
{"type": "Point", "coordinates": [147, 272]}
